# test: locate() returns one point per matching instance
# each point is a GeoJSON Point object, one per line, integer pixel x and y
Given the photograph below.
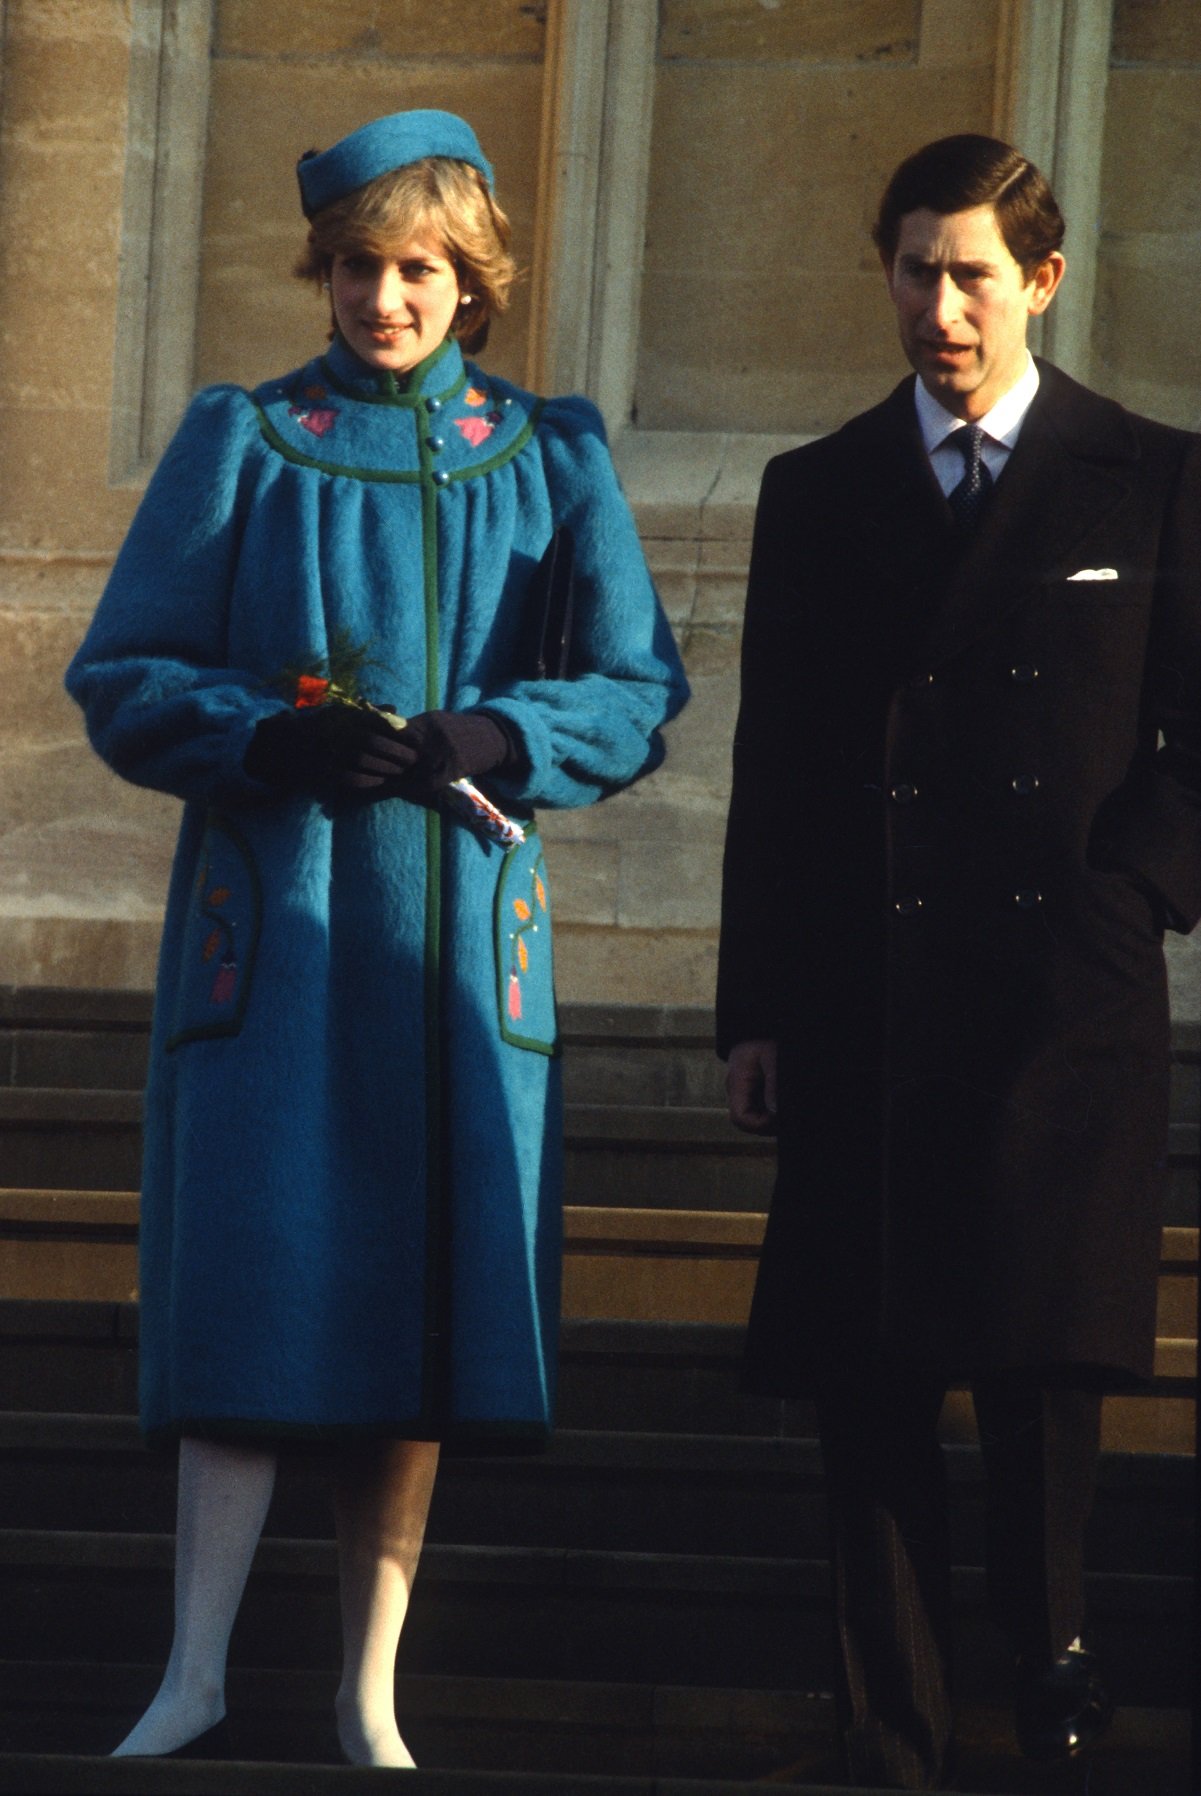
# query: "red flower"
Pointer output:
{"type": "Point", "coordinates": [310, 690]}
{"type": "Point", "coordinates": [514, 999]}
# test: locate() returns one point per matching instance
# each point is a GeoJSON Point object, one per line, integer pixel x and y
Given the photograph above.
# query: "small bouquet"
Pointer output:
{"type": "Point", "coordinates": [335, 681]}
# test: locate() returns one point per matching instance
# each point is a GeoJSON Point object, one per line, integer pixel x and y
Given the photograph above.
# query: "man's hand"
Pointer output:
{"type": "Point", "coordinates": [751, 1087]}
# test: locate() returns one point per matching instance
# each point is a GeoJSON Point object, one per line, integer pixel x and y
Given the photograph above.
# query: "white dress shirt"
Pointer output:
{"type": "Point", "coordinates": [1001, 426]}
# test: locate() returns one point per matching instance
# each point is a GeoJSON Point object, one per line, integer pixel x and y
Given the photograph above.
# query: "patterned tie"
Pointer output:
{"type": "Point", "coordinates": [967, 499]}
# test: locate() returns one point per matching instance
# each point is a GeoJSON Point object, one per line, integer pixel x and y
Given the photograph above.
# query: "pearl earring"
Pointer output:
{"type": "Point", "coordinates": [325, 286]}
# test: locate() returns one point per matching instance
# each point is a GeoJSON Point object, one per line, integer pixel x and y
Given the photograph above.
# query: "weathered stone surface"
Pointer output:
{"type": "Point", "coordinates": [364, 28]}
{"type": "Point", "coordinates": [623, 966]}
{"type": "Point", "coordinates": [794, 329]}
{"type": "Point", "coordinates": [1145, 352]}
{"type": "Point", "coordinates": [584, 880]}
{"type": "Point", "coordinates": [54, 494]}
{"type": "Point", "coordinates": [1157, 31]}
{"type": "Point", "coordinates": [1151, 174]}
{"type": "Point", "coordinates": [851, 31]}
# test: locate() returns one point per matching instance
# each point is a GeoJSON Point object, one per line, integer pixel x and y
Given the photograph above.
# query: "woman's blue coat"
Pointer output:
{"type": "Point", "coordinates": [351, 1208]}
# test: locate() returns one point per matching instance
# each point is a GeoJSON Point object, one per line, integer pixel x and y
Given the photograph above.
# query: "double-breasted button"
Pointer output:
{"type": "Point", "coordinates": [908, 905]}
{"type": "Point", "coordinates": [1026, 898]}
{"type": "Point", "coordinates": [1024, 674]}
{"type": "Point", "coordinates": [904, 792]}
{"type": "Point", "coordinates": [1023, 784]}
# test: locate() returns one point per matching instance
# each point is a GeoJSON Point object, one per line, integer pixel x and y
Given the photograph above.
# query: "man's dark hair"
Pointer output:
{"type": "Point", "coordinates": [956, 173]}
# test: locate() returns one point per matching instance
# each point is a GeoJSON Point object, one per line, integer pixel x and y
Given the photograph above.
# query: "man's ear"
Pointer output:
{"type": "Point", "coordinates": [1047, 277]}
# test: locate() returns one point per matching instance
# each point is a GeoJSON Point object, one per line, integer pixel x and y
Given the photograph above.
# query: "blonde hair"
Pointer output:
{"type": "Point", "coordinates": [436, 197]}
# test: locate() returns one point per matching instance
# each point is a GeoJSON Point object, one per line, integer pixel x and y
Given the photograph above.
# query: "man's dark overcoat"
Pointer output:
{"type": "Point", "coordinates": [955, 839]}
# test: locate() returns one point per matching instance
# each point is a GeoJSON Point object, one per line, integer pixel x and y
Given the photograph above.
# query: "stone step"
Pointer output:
{"type": "Point", "coordinates": [589, 1738]}
{"type": "Point", "coordinates": [613, 1054]}
{"type": "Point", "coordinates": [681, 1158]}
{"type": "Point", "coordinates": [648, 1377]}
{"type": "Point", "coordinates": [633, 1155]}
{"type": "Point", "coordinates": [591, 1489]}
{"type": "Point", "coordinates": [539, 1612]}
{"type": "Point", "coordinates": [642, 1265]}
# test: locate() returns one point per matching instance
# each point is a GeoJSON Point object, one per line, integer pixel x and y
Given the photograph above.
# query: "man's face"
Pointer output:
{"type": "Point", "coordinates": [962, 305]}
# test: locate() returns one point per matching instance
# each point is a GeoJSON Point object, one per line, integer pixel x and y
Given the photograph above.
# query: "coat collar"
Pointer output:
{"type": "Point", "coordinates": [1073, 464]}
{"type": "Point", "coordinates": [440, 374]}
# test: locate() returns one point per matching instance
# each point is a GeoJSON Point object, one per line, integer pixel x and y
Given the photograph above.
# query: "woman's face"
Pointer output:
{"type": "Point", "coordinates": [394, 310]}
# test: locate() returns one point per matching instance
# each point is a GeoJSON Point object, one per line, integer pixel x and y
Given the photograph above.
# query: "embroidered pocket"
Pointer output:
{"type": "Point", "coordinates": [524, 963]}
{"type": "Point", "coordinates": [220, 937]}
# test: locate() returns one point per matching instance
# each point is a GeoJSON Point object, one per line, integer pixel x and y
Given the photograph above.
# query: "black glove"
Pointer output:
{"type": "Point", "coordinates": [441, 746]}
{"type": "Point", "coordinates": [326, 750]}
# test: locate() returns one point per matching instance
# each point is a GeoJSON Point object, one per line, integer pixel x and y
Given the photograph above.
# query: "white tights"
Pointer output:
{"type": "Point", "coordinates": [382, 1498]}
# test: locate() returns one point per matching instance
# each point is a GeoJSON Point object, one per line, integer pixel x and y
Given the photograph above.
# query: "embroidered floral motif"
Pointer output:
{"type": "Point", "coordinates": [219, 940]}
{"type": "Point", "coordinates": [476, 396]}
{"type": "Point", "coordinates": [476, 430]}
{"type": "Point", "coordinates": [520, 953]}
{"type": "Point", "coordinates": [225, 984]}
{"type": "Point", "coordinates": [317, 420]}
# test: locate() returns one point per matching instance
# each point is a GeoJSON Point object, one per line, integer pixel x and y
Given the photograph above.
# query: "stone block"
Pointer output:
{"type": "Point", "coordinates": [55, 494]}
{"type": "Point", "coordinates": [1151, 171]}
{"type": "Point", "coordinates": [584, 883]}
{"type": "Point", "coordinates": [112, 953]}
{"type": "Point", "coordinates": [796, 330]}
{"type": "Point", "coordinates": [672, 966]}
{"type": "Point", "coordinates": [677, 886]}
{"type": "Point", "coordinates": [1146, 352]}
{"type": "Point", "coordinates": [364, 29]}
{"type": "Point", "coordinates": [721, 582]}
{"type": "Point", "coordinates": [667, 476]}
{"type": "Point", "coordinates": [838, 31]}
{"type": "Point", "coordinates": [812, 351]}
{"type": "Point", "coordinates": [955, 36]}
{"type": "Point", "coordinates": [1167, 31]}
{"type": "Point", "coordinates": [729, 512]}
{"type": "Point", "coordinates": [35, 647]}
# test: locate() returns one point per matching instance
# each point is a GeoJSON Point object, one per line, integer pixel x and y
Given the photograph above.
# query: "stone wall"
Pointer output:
{"type": "Point", "coordinates": [148, 224]}
{"type": "Point", "coordinates": [1147, 349]}
{"type": "Point", "coordinates": [775, 132]}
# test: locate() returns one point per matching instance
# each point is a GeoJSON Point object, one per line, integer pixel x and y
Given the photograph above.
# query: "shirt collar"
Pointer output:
{"type": "Point", "coordinates": [1003, 423]}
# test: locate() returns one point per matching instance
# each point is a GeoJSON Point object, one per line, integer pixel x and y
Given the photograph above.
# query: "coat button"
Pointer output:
{"type": "Point", "coordinates": [441, 477]}
{"type": "Point", "coordinates": [433, 405]}
{"type": "Point", "coordinates": [1024, 674]}
{"type": "Point", "coordinates": [903, 793]}
{"type": "Point", "coordinates": [908, 906]}
{"type": "Point", "coordinates": [1027, 898]}
{"type": "Point", "coordinates": [436, 443]}
{"type": "Point", "coordinates": [1023, 784]}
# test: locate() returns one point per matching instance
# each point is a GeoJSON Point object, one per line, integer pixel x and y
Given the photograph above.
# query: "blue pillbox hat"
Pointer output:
{"type": "Point", "coordinates": [381, 146]}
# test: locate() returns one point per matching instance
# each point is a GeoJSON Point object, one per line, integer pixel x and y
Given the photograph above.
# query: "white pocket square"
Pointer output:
{"type": "Point", "coordinates": [1095, 573]}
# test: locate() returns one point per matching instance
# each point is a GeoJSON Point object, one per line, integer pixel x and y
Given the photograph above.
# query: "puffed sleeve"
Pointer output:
{"type": "Point", "coordinates": [161, 705]}
{"type": "Point", "coordinates": [587, 736]}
